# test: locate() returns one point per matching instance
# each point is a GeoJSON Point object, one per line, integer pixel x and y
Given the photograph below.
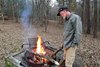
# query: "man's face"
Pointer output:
{"type": "Point", "coordinates": [64, 14]}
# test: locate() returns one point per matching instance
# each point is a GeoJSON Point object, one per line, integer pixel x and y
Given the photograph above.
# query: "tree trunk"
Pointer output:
{"type": "Point", "coordinates": [83, 15]}
{"type": "Point", "coordinates": [87, 10]}
{"type": "Point", "coordinates": [2, 17]}
{"type": "Point", "coordinates": [98, 13]}
{"type": "Point", "coordinates": [16, 12]}
{"type": "Point", "coordinates": [86, 16]}
{"type": "Point", "coordinates": [13, 12]}
{"type": "Point", "coordinates": [95, 20]}
{"type": "Point", "coordinates": [2, 9]}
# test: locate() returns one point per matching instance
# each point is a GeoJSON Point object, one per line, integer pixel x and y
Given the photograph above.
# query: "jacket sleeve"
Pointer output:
{"type": "Point", "coordinates": [77, 24]}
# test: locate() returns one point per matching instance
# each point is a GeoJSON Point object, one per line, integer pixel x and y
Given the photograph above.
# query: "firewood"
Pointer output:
{"type": "Point", "coordinates": [46, 57]}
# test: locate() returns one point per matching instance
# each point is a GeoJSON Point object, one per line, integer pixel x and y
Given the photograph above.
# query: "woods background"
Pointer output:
{"type": "Point", "coordinates": [89, 10]}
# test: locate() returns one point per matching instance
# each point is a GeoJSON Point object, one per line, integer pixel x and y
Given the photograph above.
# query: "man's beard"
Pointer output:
{"type": "Point", "coordinates": [64, 17]}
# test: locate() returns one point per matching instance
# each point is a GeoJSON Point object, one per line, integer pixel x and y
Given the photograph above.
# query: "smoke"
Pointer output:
{"type": "Point", "coordinates": [53, 3]}
{"type": "Point", "coordinates": [28, 30]}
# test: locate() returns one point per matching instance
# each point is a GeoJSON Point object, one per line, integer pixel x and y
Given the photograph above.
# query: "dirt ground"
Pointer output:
{"type": "Point", "coordinates": [11, 40]}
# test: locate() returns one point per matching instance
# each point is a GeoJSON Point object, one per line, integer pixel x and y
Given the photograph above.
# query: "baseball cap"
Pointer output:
{"type": "Point", "coordinates": [61, 8]}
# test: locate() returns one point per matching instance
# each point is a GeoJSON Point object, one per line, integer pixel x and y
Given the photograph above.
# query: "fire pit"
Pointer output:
{"type": "Point", "coordinates": [38, 54]}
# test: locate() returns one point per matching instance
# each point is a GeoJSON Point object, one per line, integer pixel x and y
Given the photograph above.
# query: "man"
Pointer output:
{"type": "Point", "coordinates": [72, 34]}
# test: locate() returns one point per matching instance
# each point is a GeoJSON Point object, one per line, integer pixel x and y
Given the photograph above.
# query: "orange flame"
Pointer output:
{"type": "Point", "coordinates": [40, 49]}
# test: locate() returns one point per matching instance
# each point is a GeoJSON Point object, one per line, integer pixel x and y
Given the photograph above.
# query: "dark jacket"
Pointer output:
{"type": "Point", "coordinates": [72, 31]}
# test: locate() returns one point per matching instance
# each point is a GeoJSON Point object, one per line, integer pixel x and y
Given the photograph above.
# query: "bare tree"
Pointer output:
{"type": "Point", "coordinates": [1, 9]}
{"type": "Point", "coordinates": [13, 11]}
{"type": "Point", "coordinates": [87, 18]}
{"type": "Point", "coordinates": [95, 20]}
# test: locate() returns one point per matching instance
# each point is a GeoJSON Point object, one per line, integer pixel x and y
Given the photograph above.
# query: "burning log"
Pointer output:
{"type": "Point", "coordinates": [46, 57]}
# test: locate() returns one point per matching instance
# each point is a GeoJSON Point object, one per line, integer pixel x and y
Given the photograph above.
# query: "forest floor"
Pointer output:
{"type": "Point", "coordinates": [11, 40]}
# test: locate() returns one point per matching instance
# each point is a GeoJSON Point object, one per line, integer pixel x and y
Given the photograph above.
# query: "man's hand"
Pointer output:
{"type": "Point", "coordinates": [54, 54]}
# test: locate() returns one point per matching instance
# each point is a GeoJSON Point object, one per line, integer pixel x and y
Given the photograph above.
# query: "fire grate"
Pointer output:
{"type": "Point", "coordinates": [32, 59]}
{"type": "Point", "coordinates": [22, 59]}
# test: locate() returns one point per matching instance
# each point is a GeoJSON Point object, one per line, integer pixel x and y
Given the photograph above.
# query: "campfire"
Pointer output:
{"type": "Point", "coordinates": [39, 55]}
{"type": "Point", "coordinates": [39, 50]}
